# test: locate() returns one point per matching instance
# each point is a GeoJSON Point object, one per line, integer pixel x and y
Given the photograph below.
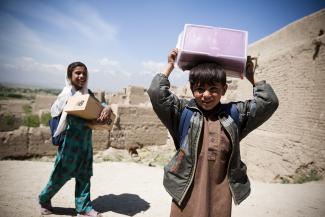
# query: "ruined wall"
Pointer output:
{"type": "Point", "coordinates": [137, 123]}
{"type": "Point", "coordinates": [131, 95]}
{"type": "Point", "coordinates": [28, 142]}
{"type": "Point", "coordinates": [295, 134]}
{"type": "Point", "coordinates": [136, 95]}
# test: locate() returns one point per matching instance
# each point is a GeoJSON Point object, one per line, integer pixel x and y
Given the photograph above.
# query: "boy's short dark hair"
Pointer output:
{"type": "Point", "coordinates": [72, 66]}
{"type": "Point", "coordinates": [207, 73]}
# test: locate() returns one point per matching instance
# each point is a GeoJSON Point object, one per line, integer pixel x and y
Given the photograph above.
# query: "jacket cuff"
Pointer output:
{"type": "Point", "coordinates": [258, 85]}
{"type": "Point", "coordinates": [162, 75]}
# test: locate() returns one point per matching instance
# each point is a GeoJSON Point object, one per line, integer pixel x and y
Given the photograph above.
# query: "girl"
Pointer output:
{"type": "Point", "coordinates": [75, 155]}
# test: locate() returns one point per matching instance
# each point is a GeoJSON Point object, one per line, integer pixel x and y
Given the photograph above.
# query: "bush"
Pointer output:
{"type": "Point", "coordinates": [15, 95]}
{"type": "Point", "coordinates": [45, 117]}
{"type": "Point", "coordinates": [27, 109]}
{"type": "Point", "coordinates": [302, 176]}
{"type": "Point", "coordinates": [311, 175]}
{"type": "Point", "coordinates": [8, 95]}
{"type": "Point", "coordinates": [31, 121]}
{"type": "Point", "coordinates": [8, 119]}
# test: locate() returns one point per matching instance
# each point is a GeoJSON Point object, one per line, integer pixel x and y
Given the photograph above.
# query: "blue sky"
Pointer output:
{"type": "Point", "coordinates": [123, 42]}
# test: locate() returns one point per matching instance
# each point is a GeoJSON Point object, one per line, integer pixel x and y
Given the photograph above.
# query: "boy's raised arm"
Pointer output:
{"type": "Point", "coordinates": [171, 60]}
{"type": "Point", "coordinates": [166, 105]}
{"type": "Point", "coordinates": [256, 111]}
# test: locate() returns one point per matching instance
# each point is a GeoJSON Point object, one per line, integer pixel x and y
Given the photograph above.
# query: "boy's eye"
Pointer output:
{"type": "Point", "coordinates": [200, 90]}
{"type": "Point", "coordinates": [215, 90]}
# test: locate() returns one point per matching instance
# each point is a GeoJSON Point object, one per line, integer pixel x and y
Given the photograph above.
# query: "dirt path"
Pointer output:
{"type": "Point", "coordinates": [129, 189]}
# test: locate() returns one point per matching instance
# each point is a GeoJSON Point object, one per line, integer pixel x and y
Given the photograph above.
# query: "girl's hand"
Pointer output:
{"type": "Point", "coordinates": [104, 115]}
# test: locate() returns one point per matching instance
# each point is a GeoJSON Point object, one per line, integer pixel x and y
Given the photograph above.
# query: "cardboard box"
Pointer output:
{"type": "Point", "coordinates": [106, 126]}
{"type": "Point", "coordinates": [84, 106]}
{"type": "Point", "coordinates": [227, 47]}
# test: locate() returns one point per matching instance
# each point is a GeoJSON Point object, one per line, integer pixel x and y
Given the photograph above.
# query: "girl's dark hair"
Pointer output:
{"type": "Point", "coordinates": [74, 65]}
{"type": "Point", "coordinates": [207, 73]}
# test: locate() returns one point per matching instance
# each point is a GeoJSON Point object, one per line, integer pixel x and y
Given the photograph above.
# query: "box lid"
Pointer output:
{"type": "Point", "coordinates": [84, 106]}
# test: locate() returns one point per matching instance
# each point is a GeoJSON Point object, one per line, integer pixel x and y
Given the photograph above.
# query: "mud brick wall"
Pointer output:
{"type": "Point", "coordinates": [137, 124]}
{"type": "Point", "coordinates": [295, 135]}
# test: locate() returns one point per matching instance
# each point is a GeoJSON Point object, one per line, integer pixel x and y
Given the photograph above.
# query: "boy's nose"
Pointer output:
{"type": "Point", "coordinates": [206, 93]}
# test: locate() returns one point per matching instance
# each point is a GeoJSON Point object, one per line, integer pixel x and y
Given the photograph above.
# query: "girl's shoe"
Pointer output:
{"type": "Point", "coordinates": [91, 213]}
{"type": "Point", "coordinates": [46, 208]}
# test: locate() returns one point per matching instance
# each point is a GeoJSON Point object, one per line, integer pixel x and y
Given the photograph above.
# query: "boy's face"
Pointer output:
{"type": "Point", "coordinates": [79, 77]}
{"type": "Point", "coordinates": [208, 96]}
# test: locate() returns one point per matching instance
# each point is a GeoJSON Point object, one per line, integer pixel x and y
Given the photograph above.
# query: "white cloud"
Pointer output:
{"type": "Point", "coordinates": [27, 70]}
{"type": "Point", "coordinates": [30, 66]}
{"type": "Point", "coordinates": [152, 67]}
{"type": "Point", "coordinates": [179, 74]}
{"type": "Point", "coordinates": [97, 26]}
{"type": "Point", "coordinates": [82, 21]}
{"type": "Point", "coordinates": [19, 39]}
{"type": "Point", "coordinates": [109, 67]}
{"type": "Point", "coordinates": [79, 34]}
{"type": "Point", "coordinates": [108, 62]}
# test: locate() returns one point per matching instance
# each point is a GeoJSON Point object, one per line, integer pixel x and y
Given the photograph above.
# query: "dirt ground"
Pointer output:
{"type": "Point", "coordinates": [130, 189]}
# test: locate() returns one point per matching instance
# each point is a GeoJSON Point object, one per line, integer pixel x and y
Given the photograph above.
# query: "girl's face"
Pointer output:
{"type": "Point", "coordinates": [79, 77]}
{"type": "Point", "coordinates": [207, 96]}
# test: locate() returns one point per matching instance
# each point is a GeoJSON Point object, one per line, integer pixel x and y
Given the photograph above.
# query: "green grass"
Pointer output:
{"type": "Point", "coordinates": [302, 177]}
{"type": "Point", "coordinates": [45, 117]}
{"type": "Point", "coordinates": [31, 121]}
{"type": "Point", "coordinates": [8, 119]}
{"type": "Point", "coordinates": [309, 176]}
{"type": "Point", "coordinates": [24, 93]}
{"type": "Point", "coordinates": [27, 109]}
{"type": "Point", "coordinates": [7, 89]}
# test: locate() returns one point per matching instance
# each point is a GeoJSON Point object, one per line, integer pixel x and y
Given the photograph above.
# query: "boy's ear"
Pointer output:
{"type": "Point", "coordinates": [225, 89]}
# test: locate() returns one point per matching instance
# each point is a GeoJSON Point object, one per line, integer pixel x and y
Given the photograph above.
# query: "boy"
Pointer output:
{"type": "Point", "coordinates": [206, 172]}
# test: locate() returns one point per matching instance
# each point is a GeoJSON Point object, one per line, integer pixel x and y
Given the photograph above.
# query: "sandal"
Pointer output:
{"type": "Point", "coordinates": [46, 208]}
{"type": "Point", "coordinates": [91, 213]}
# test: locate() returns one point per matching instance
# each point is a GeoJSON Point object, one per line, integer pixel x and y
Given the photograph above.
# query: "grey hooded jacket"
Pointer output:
{"type": "Point", "coordinates": [179, 172]}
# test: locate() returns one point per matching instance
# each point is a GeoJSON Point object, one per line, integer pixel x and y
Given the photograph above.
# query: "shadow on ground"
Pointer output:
{"type": "Point", "coordinates": [125, 204]}
{"type": "Point", "coordinates": [64, 211]}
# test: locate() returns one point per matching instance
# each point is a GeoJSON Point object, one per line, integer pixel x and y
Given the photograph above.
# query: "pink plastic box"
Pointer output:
{"type": "Point", "coordinates": [227, 47]}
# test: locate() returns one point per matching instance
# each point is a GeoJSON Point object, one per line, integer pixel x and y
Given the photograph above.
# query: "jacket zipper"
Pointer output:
{"type": "Point", "coordinates": [195, 160]}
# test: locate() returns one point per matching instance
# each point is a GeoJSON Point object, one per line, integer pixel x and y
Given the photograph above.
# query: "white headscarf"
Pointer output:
{"type": "Point", "coordinates": [58, 106]}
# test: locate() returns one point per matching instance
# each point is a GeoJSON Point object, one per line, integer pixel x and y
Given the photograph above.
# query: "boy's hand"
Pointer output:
{"type": "Point", "coordinates": [250, 69]}
{"type": "Point", "coordinates": [172, 56]}
{"type": "Point", "coordinates": [171, 60]}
